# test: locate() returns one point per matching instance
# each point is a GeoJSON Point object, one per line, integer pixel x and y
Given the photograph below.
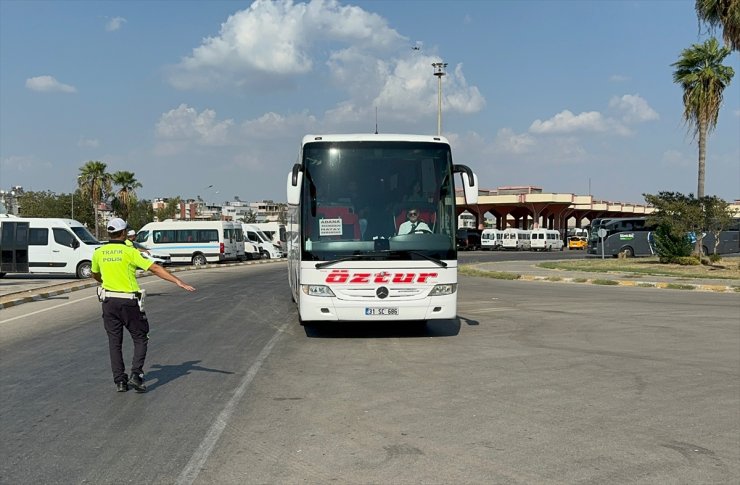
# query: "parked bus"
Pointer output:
{"type": "Point", "coordinates": [267, 248]}
{"type": "Point", "coordinates": [634, 236]}
{"type": "Point", "coordinates": [491, 239]}
{"type": "Point", "coordinates": [515, 239]}
{"type": "Point", "coordinates": [45, 245]}
{"type": "Point", "coordinates": [194, 242]}
{"type": "Point", "coordinates": [545, 240]}
{"type": "Point", "coordinates": [348, 195]}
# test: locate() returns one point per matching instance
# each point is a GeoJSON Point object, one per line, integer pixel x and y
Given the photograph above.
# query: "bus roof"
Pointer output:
{"type": "Point", "coordinates": [374, 137]}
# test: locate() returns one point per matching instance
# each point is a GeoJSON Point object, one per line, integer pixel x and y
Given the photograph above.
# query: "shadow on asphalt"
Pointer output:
{"type": "Point", "coordinates": [398, 329]}
{"type": "Point", "coordinates": [164, 374]}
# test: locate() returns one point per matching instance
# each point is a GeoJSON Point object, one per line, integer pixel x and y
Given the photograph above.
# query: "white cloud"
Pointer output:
{"type": "Point", "coordinates": [185, 124]}
{"type": "Point", "coordinates": [567, 122]}
{"type": "Point", "coordinates": [633, 109]}
{"type": "Point", "coordinates": [273, 39]}
{"type": "Point", "coordinates": [22, 164]}
{"type": "Point", "coordinates": [114, 24]}
{"type": "Point", "coordinates": [87, 143]}
{"type": "Point", "coordinates": [676, 159]}
{"type": "Point", "coordinates": [273, 126]}
{"type": "Point", "coordinates": [47, 84]}
{"type": "Point", "coordinates": [509, 142]}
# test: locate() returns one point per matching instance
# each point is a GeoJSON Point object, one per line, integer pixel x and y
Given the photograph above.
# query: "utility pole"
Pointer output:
{"type": "Point", "coordinates": [439, 71]}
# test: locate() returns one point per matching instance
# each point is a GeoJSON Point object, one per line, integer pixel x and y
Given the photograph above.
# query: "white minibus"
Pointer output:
{"type": "Point", "coordinates": [45, 245]}
{"type": "Point", "coordinates": [194, 242]}
{"type": "Point", "coordinates": [516, 239]}
{"type": "Point", "coordinates": [491, 239]}
{"type": "Point", "coordinates": [268, 249]}
{"type": "Point", "coordinates": [545, 240]}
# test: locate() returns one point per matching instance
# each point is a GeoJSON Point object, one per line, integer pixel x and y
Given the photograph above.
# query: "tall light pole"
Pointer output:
{"type": "Point", "coordinates": [439, 71]}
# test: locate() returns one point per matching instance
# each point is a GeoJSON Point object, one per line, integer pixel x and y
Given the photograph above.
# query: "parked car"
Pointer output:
{"type": "Point", "coordinates": [577, 242]}
{"type": "Point", "coordinates": [468, 239]}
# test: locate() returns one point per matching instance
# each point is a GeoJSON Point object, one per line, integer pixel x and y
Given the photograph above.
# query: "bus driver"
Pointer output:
{"type": "Point", "coordinates": [413, 224]}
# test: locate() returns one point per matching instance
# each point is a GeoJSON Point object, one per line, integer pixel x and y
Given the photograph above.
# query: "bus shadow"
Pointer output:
{"type": "Point", "coordinates": [398, 329]}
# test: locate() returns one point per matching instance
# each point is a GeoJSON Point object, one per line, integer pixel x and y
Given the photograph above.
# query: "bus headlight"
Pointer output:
{"type": "Point", "coordinates": [317, 290]}
{"type": "Point", "coordinates": [445, 289]}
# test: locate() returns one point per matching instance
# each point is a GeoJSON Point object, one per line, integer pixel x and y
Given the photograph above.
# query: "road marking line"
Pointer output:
{"type": "Point", "coordinates": [191, 471]}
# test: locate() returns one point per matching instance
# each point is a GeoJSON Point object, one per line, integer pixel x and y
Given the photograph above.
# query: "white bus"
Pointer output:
{"type": "Point", "coordinates": [545, 240]}
{"type": "Point", "coordinates": [516, 239]}
{"type": "Point", "coordinates": [194, 242]}
{"type": "Point", "coordinates": [491, 239]}
{"type": "Point", "coordinates": [348, 196]}
{"type": "Point", "coordinates": [44, 245]}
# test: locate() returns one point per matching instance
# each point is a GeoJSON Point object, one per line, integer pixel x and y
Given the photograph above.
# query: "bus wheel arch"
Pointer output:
{"type": "Point", "coordinates": [199, 259]}
{"type": "Point", "coordinates": [627, 251]}
{"type": "Point", "coordinates": [84, 270]}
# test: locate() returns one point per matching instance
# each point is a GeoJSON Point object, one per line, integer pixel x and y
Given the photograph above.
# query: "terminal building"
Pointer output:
{"type": "Point", "coordinates": [528, 207]}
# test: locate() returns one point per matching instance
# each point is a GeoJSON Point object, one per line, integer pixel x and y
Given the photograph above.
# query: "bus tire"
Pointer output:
{"type": "Point", "coordinates": [199, 260]}
{"type": "Point", "coordinates": [705, 251]}
{"type": "Point", "coordinates": [628, 252]}
{"type": "Point", "coordinates": [264, 254]}
{"type": "Point", "coordinates": [84, 270]}
{"type": "Point", "coordinates": [2, 275]}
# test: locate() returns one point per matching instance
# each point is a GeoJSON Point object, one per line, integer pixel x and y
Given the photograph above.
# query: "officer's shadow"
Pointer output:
{"type": "Point", "coordinates": [168, 373]}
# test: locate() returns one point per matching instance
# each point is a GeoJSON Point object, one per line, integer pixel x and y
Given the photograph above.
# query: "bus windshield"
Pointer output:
{"type": "Point", "coordinates": [358, 194]}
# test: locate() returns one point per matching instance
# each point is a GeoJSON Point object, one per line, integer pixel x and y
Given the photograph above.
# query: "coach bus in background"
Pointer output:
{"type": "Point", "coordinates": [349, 258]}
{"type": "Point", "coordinates": [634, 237]}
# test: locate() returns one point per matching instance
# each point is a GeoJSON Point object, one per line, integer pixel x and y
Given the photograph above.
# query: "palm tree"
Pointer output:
{"type": "Point", "coordinates": [126, 195]}
{"type": "Point", "coordinates": [700, 72]}
{"type": "Point", "coordinates": [95, 183]}
{"type": "Point", "coordinates": [724, 13]}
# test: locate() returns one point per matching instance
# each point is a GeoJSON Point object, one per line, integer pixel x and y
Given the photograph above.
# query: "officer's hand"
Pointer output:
{"type": "Point", "coordinates": [185, 286]}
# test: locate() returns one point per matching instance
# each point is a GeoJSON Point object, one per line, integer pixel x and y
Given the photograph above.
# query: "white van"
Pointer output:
{"type": "Point", "coordinates": [546, 240]}
{"type": "Point", "coordinates": [516, 239]}
{"type": "Point", "coordinates": [234, 232]}
{"type": "Point", "coordinates": [275, 231]}
{"type": "Point", "coordinates": [267, 248]}
{"type": "Point", "coordinates": [194, 242]}
{"type": "Point", "coordinates": [491, 239]}
{"type": "Point", "coordinates": [44, 245]}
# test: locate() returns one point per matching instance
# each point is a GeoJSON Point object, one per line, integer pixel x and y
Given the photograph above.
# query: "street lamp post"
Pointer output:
{"type": "Point", "coordinates": [439, 71]}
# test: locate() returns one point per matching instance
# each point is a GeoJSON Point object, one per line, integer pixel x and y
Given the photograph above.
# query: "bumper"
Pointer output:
{"type": "Point", "coordinates": [333, 309]}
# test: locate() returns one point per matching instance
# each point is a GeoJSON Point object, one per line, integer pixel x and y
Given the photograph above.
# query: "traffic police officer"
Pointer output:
{"type": "Point", "coordinates": [114, 266]}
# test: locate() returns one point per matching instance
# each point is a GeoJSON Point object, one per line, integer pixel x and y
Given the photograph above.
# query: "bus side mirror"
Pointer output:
{"type": "Point", "coordinates": [294, 183]}
{"type": "Point", "coordinates": [470, 183]}
{"type": "Point", "coordinates": [75, 244]}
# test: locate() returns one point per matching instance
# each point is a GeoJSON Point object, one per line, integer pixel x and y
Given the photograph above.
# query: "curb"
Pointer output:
{"type": "Point", "coordinates": [630, 283]}
{"type": "Point", "coordinates": [42, 295]}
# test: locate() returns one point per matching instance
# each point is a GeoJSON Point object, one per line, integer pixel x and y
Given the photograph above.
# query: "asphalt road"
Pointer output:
{"type": "Point", "coordinates": [534, 383]}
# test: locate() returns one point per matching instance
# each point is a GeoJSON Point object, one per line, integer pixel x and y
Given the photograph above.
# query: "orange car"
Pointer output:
{"type": "Point", "coordinates": [577, 242]}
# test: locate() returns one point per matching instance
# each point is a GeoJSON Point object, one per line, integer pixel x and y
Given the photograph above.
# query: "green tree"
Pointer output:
{"type": "Point", "coordinates": [717, 217]}
{"type": "Point", "coordinates": [43, 204]}
{"type": "Point", "coordinates": [703, 77]}
{"type": "Point", "coordinates": [140, 214]}
{"type": "Point", "coordinates": [249, 217]}
{"type": "Point", "coordinates": [676, 215]}
{"type": "Point", "coordinates": [95, 184]}
{"type": "Point", "coordinates": [125, 196]}
{"type": "Point", "coordinates": [724, 14]}
{"type": "Point", "coordinates": [169, 210]}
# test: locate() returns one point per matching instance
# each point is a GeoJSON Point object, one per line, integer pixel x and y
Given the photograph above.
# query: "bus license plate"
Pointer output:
{"type": "Point", "coordinates": [381, 311]}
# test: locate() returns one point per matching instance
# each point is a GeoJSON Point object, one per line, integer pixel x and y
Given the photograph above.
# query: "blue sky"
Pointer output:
{"type": "Point", "coordinates": [564, 95]}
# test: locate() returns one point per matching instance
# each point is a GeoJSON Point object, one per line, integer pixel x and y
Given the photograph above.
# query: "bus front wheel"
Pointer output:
{"type": "Point", "coordinates": [199, 260]}
{"type": "Point", "coordinates": [628, 252]}
{"type": "Point", "coordinates": [84, 270]}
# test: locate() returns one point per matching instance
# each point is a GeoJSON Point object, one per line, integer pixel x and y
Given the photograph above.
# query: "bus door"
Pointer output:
{"type": "Point", "coordinates": [14, 247]}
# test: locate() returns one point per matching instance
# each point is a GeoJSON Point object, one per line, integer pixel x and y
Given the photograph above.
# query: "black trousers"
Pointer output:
{"type": "Point", "coordinates": [119, 313]}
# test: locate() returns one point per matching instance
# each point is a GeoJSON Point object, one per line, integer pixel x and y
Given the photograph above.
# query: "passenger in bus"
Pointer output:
{"type": "Point", "coordinates": [413, 224]}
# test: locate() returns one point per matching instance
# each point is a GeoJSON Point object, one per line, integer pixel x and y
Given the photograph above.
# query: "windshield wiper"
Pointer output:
{"type": "Point", "coordinates": [354, 257]}
{"type": "Point", "coordinates": [434, 260]}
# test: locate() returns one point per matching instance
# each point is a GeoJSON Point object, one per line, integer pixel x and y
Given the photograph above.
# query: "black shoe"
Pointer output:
{"type": "Point", "coordinates": [137, 382]}
{"type": "Point", "coordinates": [122, 386]}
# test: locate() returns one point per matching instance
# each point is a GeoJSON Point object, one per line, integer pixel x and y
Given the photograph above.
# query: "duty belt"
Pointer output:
{"type": "Point", "coordinates": [115, 294]}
